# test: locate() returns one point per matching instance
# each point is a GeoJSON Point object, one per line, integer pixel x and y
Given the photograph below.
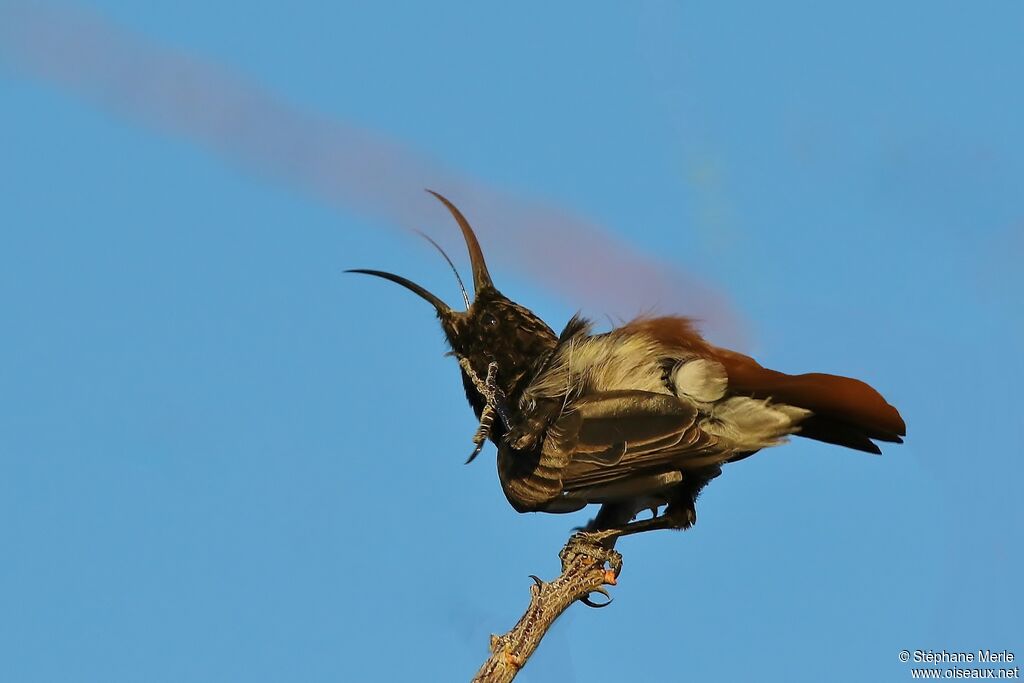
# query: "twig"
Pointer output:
{"type": "Point", "coordinates": [584, 572]}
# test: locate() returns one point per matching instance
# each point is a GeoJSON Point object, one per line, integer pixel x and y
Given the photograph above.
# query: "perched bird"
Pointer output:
{"type": "Point", "coordinates": [640, 417]}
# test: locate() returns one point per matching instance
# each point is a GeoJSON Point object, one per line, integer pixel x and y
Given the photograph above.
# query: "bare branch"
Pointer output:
{"type": "Point", "coordinates": [584, 572]}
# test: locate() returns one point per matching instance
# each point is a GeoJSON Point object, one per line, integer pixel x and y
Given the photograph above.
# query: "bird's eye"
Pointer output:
{"type": "Point", "coordinates": [489, 320]}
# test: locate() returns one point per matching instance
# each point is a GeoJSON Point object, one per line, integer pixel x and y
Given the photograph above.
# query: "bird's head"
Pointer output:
{"type": "Point", "coordinates": [493, 328]}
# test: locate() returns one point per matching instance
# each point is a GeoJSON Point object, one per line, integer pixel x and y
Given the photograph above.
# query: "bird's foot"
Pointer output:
{"type": "Point", "coordinates": [597, 546]}
{"type": "Point", "coordinates": [494, 395]}
{"type": "Point", "coordinates": [494, 403]}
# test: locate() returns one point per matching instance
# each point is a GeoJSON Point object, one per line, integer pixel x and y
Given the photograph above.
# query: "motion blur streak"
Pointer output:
{"type": "Point", "coordinates": [341, 164]}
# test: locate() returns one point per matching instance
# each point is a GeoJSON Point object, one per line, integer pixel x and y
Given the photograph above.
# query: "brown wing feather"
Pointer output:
{"type": "Point", "coordinates": [673, 332]}
{"type": "Point", "coordinates": [651, 433]}
{"type": "Point", "coordinates": [606, 438]}
{"type": "Point", "coordinates": [696, 451]}
{"type": "Point", "coordinates": [533, 478]}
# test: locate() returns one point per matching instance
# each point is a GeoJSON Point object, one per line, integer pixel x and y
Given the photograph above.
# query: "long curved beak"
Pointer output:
{"type": "Point", "coordinates": [481, 278]}
{"type": "Point", "coordinates": [441, 307]}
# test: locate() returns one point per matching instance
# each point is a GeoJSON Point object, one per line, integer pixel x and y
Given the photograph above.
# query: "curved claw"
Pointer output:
{"type": "Point", "coordinates": [537, 580]}
{"type": "Point", "coordinates": [476, 452]}
{"type": "Point", "coordinates": [597, 605]}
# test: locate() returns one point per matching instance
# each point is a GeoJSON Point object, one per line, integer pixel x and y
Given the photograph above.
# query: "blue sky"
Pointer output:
{"type": "Point", "coordinates": [221, 459]}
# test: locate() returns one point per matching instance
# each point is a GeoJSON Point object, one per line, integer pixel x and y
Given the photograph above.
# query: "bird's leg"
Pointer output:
{"type": "Point", "coordinates": [671, 519]}
{"type": "Point", "coordinates": [680, 514]}
{"type": "Point", "coordinates": [680, 517]}
{"type": "Point", "coordinates": [494, 403]}
{"type": "Point", "coordinates": [494, 395]}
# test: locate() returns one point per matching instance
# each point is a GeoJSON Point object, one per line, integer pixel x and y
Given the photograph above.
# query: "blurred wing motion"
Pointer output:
{"type": "Point", "coordinates": [649, 409]}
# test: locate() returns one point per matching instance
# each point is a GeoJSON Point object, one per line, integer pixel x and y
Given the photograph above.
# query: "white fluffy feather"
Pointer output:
{"type": "Point", "coordinates": [616, 362]}
{"type": "Point", "coordinates": [751, 424]}
{"type": "Point", "coordinates": [603, 363]}
{"type": "Point", "coordinates": [701, 379]}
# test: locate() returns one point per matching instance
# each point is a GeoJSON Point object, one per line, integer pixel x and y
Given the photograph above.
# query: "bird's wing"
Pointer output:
{"type": "Point", "coordinates": [615, 435]}
{"type": "Point", "coordinates": [608, 440]}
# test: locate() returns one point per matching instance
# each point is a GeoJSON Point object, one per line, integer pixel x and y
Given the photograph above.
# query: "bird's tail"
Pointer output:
{"type": "Point", "coordinates": [846, 411]}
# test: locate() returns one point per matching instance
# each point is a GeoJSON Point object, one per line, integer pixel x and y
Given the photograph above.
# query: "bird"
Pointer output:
{"type": "Point", "coordinates": [640, 417]}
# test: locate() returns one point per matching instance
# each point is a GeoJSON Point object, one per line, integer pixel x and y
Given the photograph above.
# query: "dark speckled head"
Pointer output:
{"type": "Point", "coordinates": [493, 328]}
